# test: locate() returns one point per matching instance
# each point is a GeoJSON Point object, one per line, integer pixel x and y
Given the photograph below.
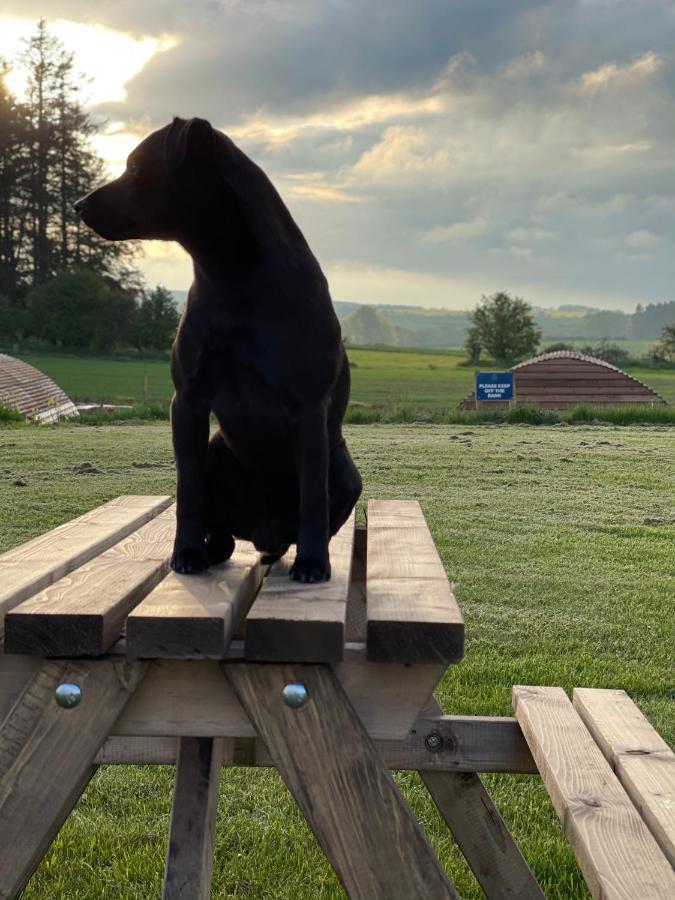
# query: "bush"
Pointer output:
{"type": "Point", "coordinates": [630, 414]}
{"type": "Point", "coordinates": [561, 345]}
{"type": "Point", "coordinates": [526, 414]}
{"type": "Point", "coordinates": [152, 412]}
{"type": "Point", "coordinates": [9, 415]}
{"type": "Point", "coordinates": [610, 353]}
{"type": "Point", "coordinates": [530, 414]}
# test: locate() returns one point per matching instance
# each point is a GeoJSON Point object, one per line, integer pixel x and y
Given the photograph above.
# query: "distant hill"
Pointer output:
{"type": "Point", "coordinates": [417, 326]}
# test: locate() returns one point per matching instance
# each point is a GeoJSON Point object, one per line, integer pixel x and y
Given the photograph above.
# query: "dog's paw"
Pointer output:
{"type": "Point", "coordinates": [310, 571]}
{"type": "Point", "coordinates": [268, 559]}
{"type": "Point", "coordinates": [219, 547]}
{"type": "Point", "coordinates": [189, 560]}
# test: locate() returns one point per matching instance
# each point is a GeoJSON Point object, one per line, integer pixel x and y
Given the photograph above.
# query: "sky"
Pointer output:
{"type": "Point", "coordinates": [431, 151]}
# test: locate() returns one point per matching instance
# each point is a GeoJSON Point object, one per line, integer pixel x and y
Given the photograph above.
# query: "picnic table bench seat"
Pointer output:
{"type": "Point", "coordinates": [193, 671]}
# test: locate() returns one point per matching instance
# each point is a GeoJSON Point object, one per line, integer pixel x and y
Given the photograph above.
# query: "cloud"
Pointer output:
{"type": "Point", "coordinates": [611, 76]}
{"type": "Point", "coordinates": [459, 232]}
{"type": "Point", "coordinates": [643, 238]}
{"type": "Point", "coordinates": [525, 235]}
{"type": "Point", "coordinates": [527, 143]}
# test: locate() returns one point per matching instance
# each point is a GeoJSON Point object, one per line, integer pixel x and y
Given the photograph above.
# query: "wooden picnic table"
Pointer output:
{"type": "Point", "coordinates": [332, 684]}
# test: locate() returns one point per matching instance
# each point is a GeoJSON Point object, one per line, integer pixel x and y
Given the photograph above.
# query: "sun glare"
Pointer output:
{"type": "Point", "coordinates": [106, 59]}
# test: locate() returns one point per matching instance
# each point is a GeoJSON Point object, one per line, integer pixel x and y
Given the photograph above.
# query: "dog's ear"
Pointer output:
{"type": "Point", "coordinates": [187, 138]}
{"type": "Point", "coordinates": [266, 218]}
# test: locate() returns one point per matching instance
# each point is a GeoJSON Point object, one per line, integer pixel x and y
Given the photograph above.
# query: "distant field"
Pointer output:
{"type": "Point", "coordinates": [380, 378]}
{"type": "Point", "coordinates": [635, 348]}
{"type": "Point", "coordinates": [559, 542]}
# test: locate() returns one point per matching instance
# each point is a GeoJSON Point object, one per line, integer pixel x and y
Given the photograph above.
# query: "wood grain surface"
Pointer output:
{"type": "Point", "coordinates": [47, 756]}
{"type": "Point", "coordinates": [302, 622]}
{"type": "Point", "coordinates": [340, 783]}
{"type": "Point", "coordinates": [616, 852]}
{"type": "Point", "coordinates": [413, 615]}
{"type": "Point", "coordinates": [643, 761]}
{"type": "Point", "coordinates": [33, 566]}
{"type": "Point", "coordinates": [189, 856]}
{"type": "Point", "coordinates": [196, 616]}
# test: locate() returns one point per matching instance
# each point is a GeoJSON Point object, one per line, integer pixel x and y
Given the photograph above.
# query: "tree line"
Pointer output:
{"type": "Point", "coordinates": [60, 284]}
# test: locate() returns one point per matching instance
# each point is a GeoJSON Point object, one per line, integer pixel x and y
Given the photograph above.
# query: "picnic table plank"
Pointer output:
{"type": "Point", "coordinates": [47, 756]}
{"type": "Point", "coordinates": [618, 856]}
{"type": "Point", "coordinates": [413, 615]}
{"type": "Point", "coordinates": [184, 697]}
{"type": "Point", "coordinates": [480, 833]}
{"type": "Point", "coordinates": [292, 622]}
{"type": "Point", "coordinates": [34, 565]}
{"type": "Point", "coordinates": [196, 616]}
{"type": "Point", "coordinates": [340, 783]}
{"type": "Point", "coordinates": [189, 855]}
{"type": "Point", "coordinates": [642, 760]}
{"type": "Point", "coordinates": [83, 613]}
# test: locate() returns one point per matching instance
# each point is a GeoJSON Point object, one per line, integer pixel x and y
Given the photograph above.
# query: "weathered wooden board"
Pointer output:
{"type": "Point", "coordinates": [480, 832]}
{"type": "Point", "coordinates": [190, 698]}
{"type": "Point", "coordinates": [488, 745]}
{"type": "Point", "coordinates": [340, 783]}
{"type": "Point", "coordinates": [302, 622]}
{"type": "Point", "coordinates": [357, 614]}
{"type": "Point", "coordinates": [83, 613]}
{"type": "Point", "coordinates": [643, 761]}
{"type": "Point", "coordinates": [47, 756]}
{"type": "Point", "coordinates": [413, 615]}
{"type": "Point", "coordinates": [29, 568]}
{"type": "Point", "coordinates": [189, 855]}
{"type": "Point", "coordinates": [462, 744]}
{"type": "Point", "coordinates": [615, 850]}
{"type": "Point", "coordinates": [196, 616]}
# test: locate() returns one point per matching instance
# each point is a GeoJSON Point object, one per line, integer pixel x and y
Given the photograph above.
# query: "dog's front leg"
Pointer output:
{"type": "Point", "coordinates": [312, 562]}
{"type": "Point", "coordinates": [190, 431]}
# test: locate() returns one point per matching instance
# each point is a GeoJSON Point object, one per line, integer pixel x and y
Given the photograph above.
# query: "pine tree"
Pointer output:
{"type": "Point", "coordinates": [13, 194]}
{"type": "Point", "coordinates": [63, 166]}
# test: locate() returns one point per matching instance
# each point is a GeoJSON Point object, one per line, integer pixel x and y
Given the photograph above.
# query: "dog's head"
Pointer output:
{"type": "Point", "coordinates": [167, 179]}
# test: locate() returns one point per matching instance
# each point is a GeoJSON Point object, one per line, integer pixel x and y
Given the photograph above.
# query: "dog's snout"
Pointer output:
{"type": "Point", "coordinates": [79, 205]}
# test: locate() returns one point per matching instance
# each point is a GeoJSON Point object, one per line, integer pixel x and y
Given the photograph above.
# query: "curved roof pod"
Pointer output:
{"type": "Point", "coordinates": [564, 378]}
{"type": "Point", "coordinates": [32, 392]}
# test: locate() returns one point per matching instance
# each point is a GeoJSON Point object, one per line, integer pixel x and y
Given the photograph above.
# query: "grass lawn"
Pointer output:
{"type": "Point", "coordinates": [560, 543]}
{"type": "Point", "coordinates": [382, 379]}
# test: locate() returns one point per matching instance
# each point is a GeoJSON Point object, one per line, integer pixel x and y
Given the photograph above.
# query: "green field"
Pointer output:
{"type": "Point", "coordinates": [380, 378]}
{"type": "Point", "coordinates": [560, 543]}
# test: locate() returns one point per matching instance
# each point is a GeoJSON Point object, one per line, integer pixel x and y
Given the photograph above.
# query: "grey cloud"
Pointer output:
{"type": "Point", "coordinates": [531, 139]}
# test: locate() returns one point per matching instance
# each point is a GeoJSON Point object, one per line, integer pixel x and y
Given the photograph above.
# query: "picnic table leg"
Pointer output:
{"type": "Point", "coordinates": [189, 858]}
{"type": "Point", "coordinates": [481, 834]}
{"type": "Point", "coordinates": [47, 756]}
{"type": "Point", "coordinates": [340, 782]}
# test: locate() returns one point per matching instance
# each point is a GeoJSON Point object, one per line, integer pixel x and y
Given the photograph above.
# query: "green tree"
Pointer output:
{"type": "Point", "coordinates": [505, 327]}
{"type": "Point", "coordinates": [473, 345]}
{"type": "Point", "coordinates": [367, 326]}
{"type": "Point", "coordinates": [666, 346]}
{"type": "Point", "coordinates": [156, 320]}
{"type": "Point", "coordinates": [81, 310]}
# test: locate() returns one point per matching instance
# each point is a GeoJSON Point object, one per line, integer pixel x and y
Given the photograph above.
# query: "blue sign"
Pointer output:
{"type": "Point", "coordinates": [494, 385]}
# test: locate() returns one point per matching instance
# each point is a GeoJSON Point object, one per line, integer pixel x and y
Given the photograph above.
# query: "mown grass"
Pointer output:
{"type": "Point", "coordinates": [560, 543]}
{"type": "Point", "coordinates": [387, 385]}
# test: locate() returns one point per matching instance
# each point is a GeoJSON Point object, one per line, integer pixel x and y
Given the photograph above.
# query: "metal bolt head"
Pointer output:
{"type": "Point", "coordinates": [433, 742]}
{"type": "Point", "coordinates": [68, 695]}
{"type": "Point", "coordinates": [295, 695]}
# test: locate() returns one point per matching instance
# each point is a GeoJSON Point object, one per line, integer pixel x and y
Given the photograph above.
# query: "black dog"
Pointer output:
{"type": "Point", "coordinates": [259, 345]}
